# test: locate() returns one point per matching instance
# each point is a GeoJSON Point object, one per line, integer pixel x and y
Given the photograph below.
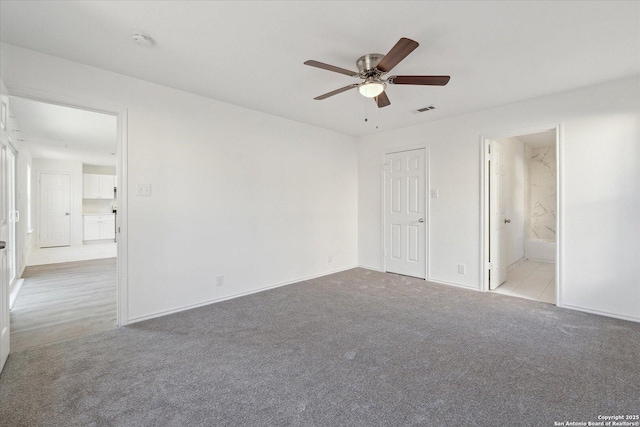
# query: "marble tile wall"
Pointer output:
{"type": "Point", "coordinates": [542, 193]}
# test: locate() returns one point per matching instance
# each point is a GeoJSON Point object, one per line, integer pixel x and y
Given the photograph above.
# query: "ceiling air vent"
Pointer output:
{"type": "Point", "coordinates": [422, 110]}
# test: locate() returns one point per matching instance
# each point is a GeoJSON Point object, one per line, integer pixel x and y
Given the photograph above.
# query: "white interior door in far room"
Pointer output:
{"type": "Point", "coordinates": [405, 219]}
{"type": "Point", "coordinates": [497, 217]}
{"type": "Point", "coordinates": [55, 209]}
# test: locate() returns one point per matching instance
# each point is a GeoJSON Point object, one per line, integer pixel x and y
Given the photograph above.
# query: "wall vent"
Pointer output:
{"type": "Point", "coordinates": [422, 110]}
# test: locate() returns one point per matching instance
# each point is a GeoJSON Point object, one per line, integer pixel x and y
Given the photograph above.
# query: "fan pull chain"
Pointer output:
{"type": "Point", "coordinates": [366, 112]}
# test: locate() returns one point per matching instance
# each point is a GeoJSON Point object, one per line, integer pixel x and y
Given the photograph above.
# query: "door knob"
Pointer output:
{"type": "Point", "coordinates": [3, 245]}
{"type": "Point", "coordinates": [67, 213]}
{"type": "Point", "coordinates": [421, 220]}
{"type": "Point", "coordinates": [507, 221]}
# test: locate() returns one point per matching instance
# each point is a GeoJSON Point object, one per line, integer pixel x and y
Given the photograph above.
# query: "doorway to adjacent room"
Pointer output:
{"type": "Point", "coordinates": [521, 202]}
{"type": "Point", "coordinates": [69, 283]}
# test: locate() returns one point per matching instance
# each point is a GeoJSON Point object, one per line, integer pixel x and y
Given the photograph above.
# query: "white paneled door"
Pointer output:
{"type": "Point", "coordinates": [497, 218]}
{"type": "Point", "coordinates": [405, 213]}
{"type": "Point", "coordinates": [55, 210]}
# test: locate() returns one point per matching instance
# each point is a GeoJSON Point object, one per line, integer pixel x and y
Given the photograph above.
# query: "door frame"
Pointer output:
{"type": "Point", "coordinates": [484, 200]}
{"type": "Point", "coordinates": [121, 114]}
{"type": "Point", "coordinates": [12, 223]}
{"type": "Point", "coordinates": [427, 181]}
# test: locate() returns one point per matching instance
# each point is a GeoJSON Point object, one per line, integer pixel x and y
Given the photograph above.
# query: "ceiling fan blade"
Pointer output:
{"type": "Point", "coordinates": [335, 92]}
{"type": "Point", "coordinates": [397, 53]}
{"type": "Point", "coordinates": [382, 100]}
{"type": "Point", "coordinates": [419, 80]}
{"type": "Point", "coordinates": [330, 68]}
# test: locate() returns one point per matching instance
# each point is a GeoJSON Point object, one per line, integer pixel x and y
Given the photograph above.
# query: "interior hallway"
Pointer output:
{"type": "Point", "coordinates": [61, 301]}
{"type": "Point", "coordinates": [531, 280]}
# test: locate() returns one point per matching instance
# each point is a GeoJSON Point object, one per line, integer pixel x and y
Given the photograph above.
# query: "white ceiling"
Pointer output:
{"type": "Point", "coordinates": [251, 53]}
{"type": "Point", "coordinates": [62, 133]}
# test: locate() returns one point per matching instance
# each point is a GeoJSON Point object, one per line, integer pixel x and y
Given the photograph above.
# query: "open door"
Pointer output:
{"type": "Point", "coordinates": [497, 218]}
{"type": "Point", "coordinates": [4, 234]}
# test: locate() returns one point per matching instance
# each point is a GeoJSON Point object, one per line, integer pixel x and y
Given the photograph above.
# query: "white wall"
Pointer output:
{"type": "Point", "coordinates": [601, 164]}
{"type": "Point", "coordinates": [514, 196]}
{"type": "Point", "coordinates": [256, 198]}
{"type": "Point", "coordinates": [264, 200]}
{"type": "Point", "coordinates": [66, 167]}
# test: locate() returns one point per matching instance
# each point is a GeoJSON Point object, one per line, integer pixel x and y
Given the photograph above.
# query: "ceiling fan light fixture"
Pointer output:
{"type": "Point", "coordinates": [371, 88]}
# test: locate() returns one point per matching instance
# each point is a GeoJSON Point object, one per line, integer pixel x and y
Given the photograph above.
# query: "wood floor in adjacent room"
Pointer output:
{"type": "Point", "coordinates": [61, 301]}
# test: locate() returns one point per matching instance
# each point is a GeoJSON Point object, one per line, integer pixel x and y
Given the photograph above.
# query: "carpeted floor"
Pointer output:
{"type": "Point", "coordinates": [357, 348]}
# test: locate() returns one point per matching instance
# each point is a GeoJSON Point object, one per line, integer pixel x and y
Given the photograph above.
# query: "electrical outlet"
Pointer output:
{"type": "Point", "coordinates": [330, 259]}
{"type": "Point", "coordinates": [143, 190]}
{"type": "Point", "coordinates": [434, 194]}
{"type": "Point", "coordinates": [461, 269]}
{"type": "Point", "coordinates": [219, 280]}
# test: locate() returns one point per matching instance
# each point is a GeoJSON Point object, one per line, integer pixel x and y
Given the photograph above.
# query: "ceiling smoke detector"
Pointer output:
{"type": "Point", "coordinates": [142, 39]}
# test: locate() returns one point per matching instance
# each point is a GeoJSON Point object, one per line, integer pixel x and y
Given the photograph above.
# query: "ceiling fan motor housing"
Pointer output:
{"type": "Point", "coordinates": [367, 64]}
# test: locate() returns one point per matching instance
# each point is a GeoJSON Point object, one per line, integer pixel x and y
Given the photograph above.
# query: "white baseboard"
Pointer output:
{"type": "Point", "coordinates": [601, 313]}
{"type": "Point", "coordinates": [541, 260]}
{"type": "Point", "coordinates": [241, 294]}
{"type": "Point", "coordinates": [371, 268]}
{"type": "Point", "coordinates": [13, 296]}
{"type": "Point", "coordinates": [457, 285]}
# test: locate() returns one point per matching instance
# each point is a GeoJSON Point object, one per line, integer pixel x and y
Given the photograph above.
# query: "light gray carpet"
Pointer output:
{"type": "Point", "coordinates": [357, 348]}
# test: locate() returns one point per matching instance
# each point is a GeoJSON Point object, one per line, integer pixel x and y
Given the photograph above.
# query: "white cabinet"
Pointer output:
{"type": "Point", "coordinates": [98, 186]}
{"type": "Point", "coordinates": [99, 227]}
{"type": "Point", "coordinates": [91, 227]}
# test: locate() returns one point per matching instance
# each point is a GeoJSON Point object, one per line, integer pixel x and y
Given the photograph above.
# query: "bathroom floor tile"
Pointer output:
{"type": "Point", "coordinates": [531, 280]}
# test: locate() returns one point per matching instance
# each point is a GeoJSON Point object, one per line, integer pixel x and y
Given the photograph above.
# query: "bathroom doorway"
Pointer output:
{"type": "Point", "coordinates": [521, 215]}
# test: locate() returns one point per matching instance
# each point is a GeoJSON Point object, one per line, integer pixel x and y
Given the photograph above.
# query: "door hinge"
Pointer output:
{"type": "Point", "coordinates": [490, 265]}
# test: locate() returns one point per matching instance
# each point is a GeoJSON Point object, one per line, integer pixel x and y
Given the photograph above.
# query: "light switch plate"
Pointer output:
{"type": "Point", "coordinates": [144, 190]}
